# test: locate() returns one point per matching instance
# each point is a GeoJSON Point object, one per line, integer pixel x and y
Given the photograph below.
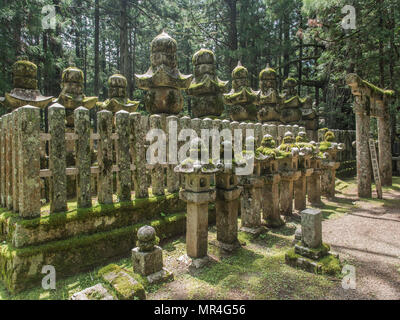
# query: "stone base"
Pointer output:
{"type": "Point", "coordinates": [97, 292]}
{"type": "Point", "coordinates": [274, 223]}
{"type": "Point", "coordinates": [329, 264]}
{"type": "Point", "coordinates": [147, 263]}
{"type": "Point", "coordinates": [313, 254]}
{"type": "Point", "coordinates": [252, 231]}
{"type": "Point", "coordinates": [161, 276]}
{"type": "Point", "coordinates": [194, 263]}
{"type": "Point", "coordinates": [226, 246]}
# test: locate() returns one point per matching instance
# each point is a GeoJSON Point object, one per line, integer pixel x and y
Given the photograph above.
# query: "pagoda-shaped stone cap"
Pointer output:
{"type": "Point", "coordinates": [241, 92]}
{"type": "Point", "coordinates": [117, 96]}
{"type": "Point", "coordinates": [205, 81]}
{"type": "Point", "coordinates": [268, 74]}
{"type": "Point", "coordinates": [72, 75]}
{"type": "Point", "coordinates": [25, 90]}
{"type": "Point", "coordinates": [163, 71]}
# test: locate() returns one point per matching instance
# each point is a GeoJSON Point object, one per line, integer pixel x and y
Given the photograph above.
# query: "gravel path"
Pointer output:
{"type": "Point", "coordinates": [369, 239]}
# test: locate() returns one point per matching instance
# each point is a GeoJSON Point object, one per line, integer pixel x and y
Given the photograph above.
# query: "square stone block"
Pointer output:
{"type": "Point", "coordinates": [147, 263]}
{"type": "Point", "coordinates": [311, 227]}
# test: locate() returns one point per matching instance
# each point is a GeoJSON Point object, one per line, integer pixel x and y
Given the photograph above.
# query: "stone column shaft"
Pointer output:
{"type": "Point", "coordinates": [251, 207]}
{"type": "Point", "coordinates": [57, 158]}
{"type": "Point", "coordinates": [385, 150]}
{"type": "Point", "coordinates": [83, 158]}
{"type": "Point", "coordinates": [29, 161]}
{"type": "Point", "coordinates": [300, 189]}
{"type": "Point", "coordinates": [9, 163]}
{"type": "Point", "coordinates": [286, 197]}
{"type": "Point", "coordinates": [15, 148]}
{"type": "Point", "coordinates": [124, 159]}
{"type": "Point", "coordinates": [172, 177]}
{"type": "Point", "coordinates": [227, 208]}
{"type": "Point", "coordinates": [314, 188]}
{"type": "Point", "coordinates": [139, 127]}
{"type": "Point", "coordinates": [157, 172]}
{"type": "Point", "coordinates": [197, 230]}
{"type": "Point", "coordinates": [364, 167]}
{"type": "Point", "coordinates": [270, 197]}
{"type": "Point", "coordinates": [105, 157]}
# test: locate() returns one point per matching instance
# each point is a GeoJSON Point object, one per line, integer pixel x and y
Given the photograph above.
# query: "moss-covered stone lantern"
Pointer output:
{"type": "Point", "coordinates": [269, 99]}
{"type": "Point", "coordinates": [206, 89]}
{"type": "Point", "coordinates": [197, 192]}
{"type": "Point", "coordinates": [117, 96]}
{"type": "Point", "coordinates": [228, 193]}
{"type": "Point", "coordinates": [309, 114]}
{"type": "Point", "coordinates": [163, 81]}
{"type": "Point", "coordinates": [290, 110]}
{"type": "Point", "coordinates": [329, 149]}
{"type": "Point", "coordinates": [289, 171]}
{"type": "Point", "coordinates": [72, 96]}
{"type": "Point", "coordinates": [272, 178]}
{"type": "Point", "coordinates": [242, 99]}
{"type": "Point", "coordinates": [25, 90]}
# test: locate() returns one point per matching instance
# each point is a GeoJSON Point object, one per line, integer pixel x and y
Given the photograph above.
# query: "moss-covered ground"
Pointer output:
{"type": "Point", "coordinates": [255, 271]}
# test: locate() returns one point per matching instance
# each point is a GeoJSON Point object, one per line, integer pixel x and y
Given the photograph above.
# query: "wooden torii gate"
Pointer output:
{"type": "Point", "coordinates": [371, 101]}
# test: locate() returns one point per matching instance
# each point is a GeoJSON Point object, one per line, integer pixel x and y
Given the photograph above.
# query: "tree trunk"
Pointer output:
{"type": "Point", "coordinates": [232, 35]}
{"type": "Point", "coordinates": [124, 43]}
{"type": "Point", "coordinates": [96, 47]}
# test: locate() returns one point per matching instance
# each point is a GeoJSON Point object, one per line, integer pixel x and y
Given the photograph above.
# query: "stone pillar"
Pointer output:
{"type": "Point", "coordinates": [29, 161]}
{"type": "Point", "coordinates": [227, 208]}
{"type": "Point", "coordinates": [251, 204]}
{"type": "Point", "coordinates": [139, 127]}
{"type": "Point", "coordinates": [328, 178]}
{"type": "Point", "coordinates": [172, 177]}
{"type": "Point", "coordinates": [105, 157]}
{"type": "Point", "coordinates": [270, 201]}
{"type": "Point", "coordinates": [364, 167]}
{"type": "Point", "coordinates": [57, 159]}
{"type": "Point", "coordinates": [15, 148]}
{"type": "Point", "coordinates": [157, 172]}
{"type": "Point", "coordinates": [385, 148]}
{"type": "Point", "coordinates": [311, 228]}
{"type": "Point", "coordinates": [197, 222]}
{"type": "Point", "coordinates": [9, 163]}
{"type": "Point", "coordinates": [300, 188]}
{"type": "Point", "coordinates": [3, 163]}
{"type": "Point", "coordinates": [286, 196]}
{"type": "Point", "coordinates": [314, 184]}
{"type": "Point", "coordinates": [83, 158]}
{"type": "Point", "coordinates": [124, 159]}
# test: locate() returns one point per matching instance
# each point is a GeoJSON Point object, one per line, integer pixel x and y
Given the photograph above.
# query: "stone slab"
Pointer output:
{"type": "Point", "coordinates": [161, 276]}
{"type": "Point", "coordinates": [97, 292]}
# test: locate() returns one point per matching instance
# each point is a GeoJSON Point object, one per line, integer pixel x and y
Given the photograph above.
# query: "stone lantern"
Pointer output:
{"type": "Point", "coordinates": [25, 90]}
{"type": "Point", "coordinates": [309, 117]}
{"type": "Point", "coordinates": [288, 169]}
{"type": "Point", "coordinates": [314, 181]}
{"type": "Point", "coordinates": [242, 99]}
{"type": "Point", "coordinates": [290, 110]}
{"type": "Point", "coordinates": [272, 178]}
{"type": "Point", "coordinates": [197, 192]}
{"type": "Point", "coordinates": [305, 167]}
{"type": "Point", "coordinates": [206, 89]}
{"type": "Point", "coordinates": [117, 96]}
{"type": "Point", "coordinates": [269, 99]}
{"type": "Point", "coordinates": [72, 96]}
{"type": "Point", "coordinates": [163, 81]}
{"type": "Point", "coordinates": [329, 148]}
{"type": "Point", "coordinates": [228, 201]}
{"type": "Point", "coordinates": [252, 189]}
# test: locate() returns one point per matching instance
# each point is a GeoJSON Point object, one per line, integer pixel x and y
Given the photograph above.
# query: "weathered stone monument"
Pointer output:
{"type": "Point", "coordinates": [290, 110]}
{"type": "Point", "coordinates": [25, 90]}
{"type": "Point", "coordinates": [242, 99]}
{"type": "Point", "coordinates": [309, 252]}
{"type": "Point", "coordinates": [163, 81]}
{"type": "Point", "coordinates": [371, 101]}
{"type": "Point", "coordinates": [147, 257]}
{"type": "Point", "coordinates": [206, 89]}
{"type": "Point", "coordinates": [197, 192]}
{"type": "Point", "coordinates": [269, 100]}
{"type": "Point", "coordinates": [117, 96]}
{"type": "Point", "coordinates": [288, 169]}
{"type": "Point", "coordinates": [228, 202]}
